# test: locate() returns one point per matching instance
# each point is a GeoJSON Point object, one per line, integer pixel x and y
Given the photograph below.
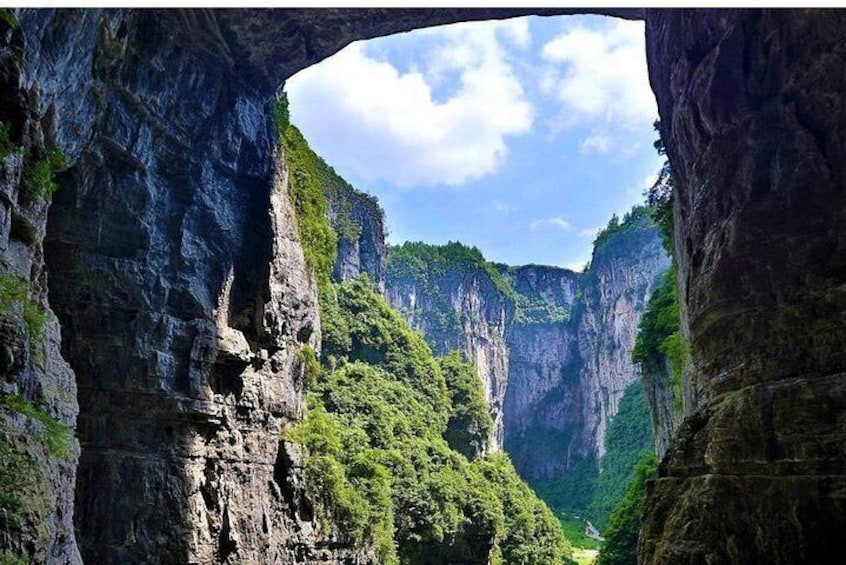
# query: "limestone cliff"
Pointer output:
{"type": "Point", "coordinates": [359, 222]}
{"type": "Point", "coordinates": [161, 117]}
{"type": "Point", "coordinates": [560, 341]}
{"type": "Point", "coordinates": [567, 376]}
{"type": "Point", "coordinates": [458, 301]}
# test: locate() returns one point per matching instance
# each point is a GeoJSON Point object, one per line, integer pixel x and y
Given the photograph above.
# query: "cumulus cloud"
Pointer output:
{"type": "Point", "coordinates": [590, 232]}
{"type": "Point", "coordinates": [599, 77]}
{"type": "Point", "coordinates": [556, 222]}
{"type": "Point", "coordinates": [367, 116]}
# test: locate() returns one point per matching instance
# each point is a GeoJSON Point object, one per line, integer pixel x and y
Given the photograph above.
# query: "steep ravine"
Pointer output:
{"type": "Point", "coordinates": [161, 115]}
{"type": "Point", "coordinates": [565, 338]}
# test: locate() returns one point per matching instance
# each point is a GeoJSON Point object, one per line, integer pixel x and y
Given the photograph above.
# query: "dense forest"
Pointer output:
{"type": "Point", "coordinates": [391, 431]}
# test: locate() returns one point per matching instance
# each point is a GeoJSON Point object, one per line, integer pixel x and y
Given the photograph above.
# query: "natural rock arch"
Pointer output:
{"type": "Point", "coordinates": [163, 115]}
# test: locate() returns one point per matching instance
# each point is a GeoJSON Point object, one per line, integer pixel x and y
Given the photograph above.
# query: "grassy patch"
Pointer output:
{"type": "Point", "coordinates": [57, 437]}
{"type": "Point", "coordinates": [40, 167]}
{"type": "Point", "coordinates": [14, 293]}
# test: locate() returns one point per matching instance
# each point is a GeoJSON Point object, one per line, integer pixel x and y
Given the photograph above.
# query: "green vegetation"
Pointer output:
{"type": "Point", "coordinates": [378, 458]}
{"type": "Point", "coordinates": [659, 336]}
{"type": "Point", "coordinates": [639, 218]}
{"type": "Point", "coordinates": [15, 294]}
{"type": "Point", "coordinates": [318, 241]}
{"type": "Point", "coordinates": [427, 263]}
{"type": "Point", "coordinates": [17, 476]}
{"type": "Point", "coordinates": [343, 198]}
{"type": "Point", "coordinates": [7, 16]}
{"type": "Point", "coordinates": [57, 437]}
{"type": "Point", "coordinates": [40, 167]}
{"type": "Point", "coordinates": [659, 197]}
{"type": "Point", "coordinates": [572, 494]}
{"type": "Point", "coordinates": [7, 147]}
{"type": "Point", "coordinates": [534, 309]}
{"type": "Point", "coordinates": [620, 546]}
{"type": "Point", "coordinates": [9, 558]}
{"type": "Point", "coordinates": [470, 425]}
{"type": "Point", "coordinates": [628, 440]}
{"type": "Point", "coordinates": [574, 530]}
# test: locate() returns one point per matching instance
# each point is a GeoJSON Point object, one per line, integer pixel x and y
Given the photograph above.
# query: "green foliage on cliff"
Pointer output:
{"type": "Point", "coordinates": [426, 263]}
{"type": "Point", "coordinates": [318, 240]}
{"type": "Point", "coordinates": [57, 436]}
{"type": "Point", "coordinates": [378, 461]}
{"type": "Point", "coordinates": [639, 218]}
{"type": "Point", "coordinates": [659, 336]}
{"type": "Point", "coordinates": [40, 167]}
{"type": "Point", "coordinates": [620, 546]}
{"type": "Point", "coordinates": [342, 198]}
{"type": "Point", "coordinates": [379, 336]}
{"type": "Point", "coordinates": [14, 295]}
{"type": "Point", "coordinates": [7, 147]}
{"type": "Point", "coordinates": [7, 16]}
{"type": "Point", "coordinates": [659, 196]}
{"type": "Point", "coordinates": [470, 425]}
{"type": "Point", "coordinates": [628, 440]}
{"type": "Point", "coordinates": [534, 309]}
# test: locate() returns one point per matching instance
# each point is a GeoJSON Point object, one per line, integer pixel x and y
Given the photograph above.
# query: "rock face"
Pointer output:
{"type": "Point", "coordinates": [567, 376]}
{"type": "Point", "coordinates": [162, 117]}
{"type": "Point", "coordinates": [752, 109]}
{"type": "Point", "coordinates": [552, 347]}
{"type": "Point", "coordinates": [359, 222]}
{"type": "Point", "coordinates": [183, 297]}
{"type": "Point", "coordinates": [615, 289]}
{"type": "Point", "coordinates": [37, 387]}
{"type": "Point", "coordinates": [664, 407]}
{"type": "Point", "coordinates": [459, 307]}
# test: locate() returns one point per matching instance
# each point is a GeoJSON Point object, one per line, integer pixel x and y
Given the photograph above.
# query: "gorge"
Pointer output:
{"type": "Point", "coordinates": [183, 298]}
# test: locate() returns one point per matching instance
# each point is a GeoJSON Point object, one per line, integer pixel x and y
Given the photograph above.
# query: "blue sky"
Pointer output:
{"type": "Point", "coordinates": [520, 137]}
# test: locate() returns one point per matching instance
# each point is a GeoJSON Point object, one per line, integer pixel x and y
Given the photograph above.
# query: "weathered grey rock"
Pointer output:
{"type": "Point", "coordinates": [37, 474]}
{"type": "Point", "coordinates": [615, 290]}
{"type": "Point", "coordinates": [464, 311]}
{"type": "Point", "coordinates": [555, 358]}
{"type": "Point", "coordinates": [664, 408]}
{"type": "Point", "coordinates": [162, 116]}
{"type": "Point", "coordinates": [359, 222]}
{"type": "Point", "coordinates": [567, 377]}
{"type": "Point", "coordinates": [752, 109]}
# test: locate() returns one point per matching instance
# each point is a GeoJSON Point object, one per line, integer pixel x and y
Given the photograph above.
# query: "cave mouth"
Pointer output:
{"type": "Point", "coordinates": [408, 119]}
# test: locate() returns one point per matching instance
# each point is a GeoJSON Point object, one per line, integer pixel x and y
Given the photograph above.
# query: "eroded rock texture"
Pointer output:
{"type": "Point", "coordinates": [462, 310]}
{"type": "Point", "coordinates": [752, 108]}
{"type": "Point", "coordinates": [553, 352]}
{"type": "Point", "coordinates": [164, 250]}
{"type": "Point", "coordinates": [567, 376]}
{"type": "Point", "coordinates": [37, 464]}
{"type": "Point", "coordinates": [182, 292]}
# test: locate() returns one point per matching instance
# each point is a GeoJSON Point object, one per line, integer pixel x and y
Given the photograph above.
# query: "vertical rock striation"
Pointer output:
{"type": "Point", "coordinates": [449, 295]}
{"type": "Point", "coordinates": [38, 408]}
{"type": "Point", "coordinates": [553, 347]}
{"type": "Point", "coordinates": [622, 274]}
{"type": "Point", "coordinates": [568, 374]}
{"type": "Point", "coordinates": [359, 222]}
{"type": "Point", "coordinates": [752, 109]}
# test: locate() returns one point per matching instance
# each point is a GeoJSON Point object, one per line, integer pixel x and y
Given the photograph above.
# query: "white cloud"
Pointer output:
{"type": "Point", "coordinates": [577, 266]}
{"type": "Point", "coordinates": [556, 222]}
{"type": "Point", "coordinates": [368, 117]}
{"type": "Point", "coordinates": [600, 79]}
{"type": "Point", "coordinates": [590, 232]}
{"type": "Point", "coordinates": [596, 143]}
